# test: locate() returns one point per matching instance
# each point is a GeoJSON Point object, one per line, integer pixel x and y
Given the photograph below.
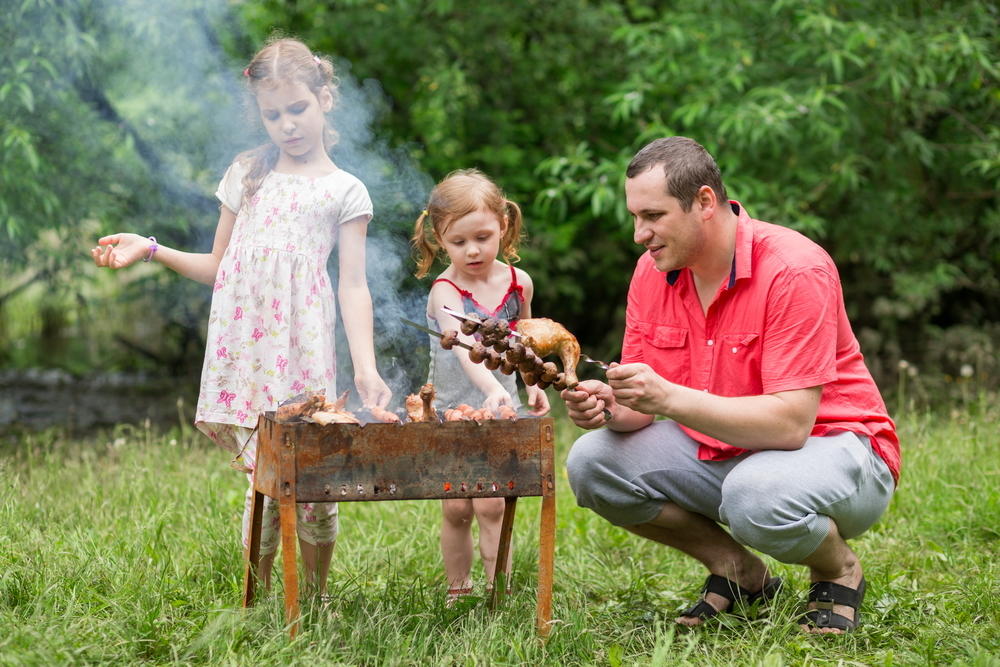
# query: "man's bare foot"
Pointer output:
{"type": "Point", "coordinates": [851, 580]}
{"type": "Point", "coordinates": [752, 576]}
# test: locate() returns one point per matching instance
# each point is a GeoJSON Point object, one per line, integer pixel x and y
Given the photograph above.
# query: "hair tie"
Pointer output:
{"type": "Point", "coordinates": [424, 212]}
{"type": "Point", "coordinates": [246, 72]}
{"type": "Point", "coordinates": [318, 61]}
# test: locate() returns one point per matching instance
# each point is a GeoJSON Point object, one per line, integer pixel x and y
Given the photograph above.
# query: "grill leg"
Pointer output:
{"type": "Point", "coordinates": [251, 555]}
{"type": "Point", "coordinates": [500, 582]}
{"type": "Point", "coordinates": [546, 561]}
{"type": "Point", "coordinates": [286, 510]}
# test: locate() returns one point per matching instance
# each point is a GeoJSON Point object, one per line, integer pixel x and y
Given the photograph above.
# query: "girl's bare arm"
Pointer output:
{"type": "Point", "coordinates": [356, 310]}
{"type": "Point", "coordinates": [120, 250]}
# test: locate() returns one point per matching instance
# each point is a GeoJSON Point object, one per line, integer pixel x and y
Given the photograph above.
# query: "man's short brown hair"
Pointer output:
{"type": "Point", "coordinates": [686, 164]}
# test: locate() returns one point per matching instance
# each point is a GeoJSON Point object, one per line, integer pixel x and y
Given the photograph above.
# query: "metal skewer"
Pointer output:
{"type": "Point", "coordinates": [432, 332]}
{"type": "Point", "coordinates": [465, 318]}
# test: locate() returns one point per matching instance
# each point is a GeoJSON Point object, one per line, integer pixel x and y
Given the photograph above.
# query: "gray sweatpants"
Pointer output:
{"type": "Point", "coordinates": [775, 501]}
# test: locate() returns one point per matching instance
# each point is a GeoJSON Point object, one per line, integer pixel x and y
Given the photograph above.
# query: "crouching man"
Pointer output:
{"type": "Point", "coordinates": [736, 332]}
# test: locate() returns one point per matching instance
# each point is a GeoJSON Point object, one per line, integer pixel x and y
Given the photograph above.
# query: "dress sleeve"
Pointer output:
{"type": "Point", "coordinates": [357, 203]}
{"type": "Point", "coordinates": [230, 190]}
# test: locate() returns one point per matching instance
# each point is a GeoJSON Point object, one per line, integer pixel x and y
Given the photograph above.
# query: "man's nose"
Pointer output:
{"type": "Point", "coordinates": [641, 234]}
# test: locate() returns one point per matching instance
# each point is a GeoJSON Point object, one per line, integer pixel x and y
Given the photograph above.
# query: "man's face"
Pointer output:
{"type": "Point", "coordinates": [674, 238]}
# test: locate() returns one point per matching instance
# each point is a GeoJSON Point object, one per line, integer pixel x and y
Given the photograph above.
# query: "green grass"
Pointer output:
{"type": "Point", "coordinates": [123, 548]}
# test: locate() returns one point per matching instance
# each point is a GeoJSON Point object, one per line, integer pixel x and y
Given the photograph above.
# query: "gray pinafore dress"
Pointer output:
{"type": "Point", "coordinates": [452, 386]}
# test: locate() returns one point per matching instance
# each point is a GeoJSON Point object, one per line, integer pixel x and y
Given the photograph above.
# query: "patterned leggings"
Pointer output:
{"type": "Point", "coordinates": [316, 522]}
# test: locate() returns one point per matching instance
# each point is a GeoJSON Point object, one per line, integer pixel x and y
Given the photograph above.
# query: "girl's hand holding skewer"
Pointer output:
{"type": "Point", "coordinates": [120, 250]}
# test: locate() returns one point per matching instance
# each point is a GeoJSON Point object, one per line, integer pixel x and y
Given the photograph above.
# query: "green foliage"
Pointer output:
{"type": "Point", "coordinates": [116, 115]}
{"type": "Point", "coordinates": [873, 130]}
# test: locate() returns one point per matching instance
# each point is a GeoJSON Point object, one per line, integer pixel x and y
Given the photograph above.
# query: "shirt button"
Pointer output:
{"type": "Point", "coordinates": [734, 350]}
{"type": "Point", "coordinates": [710, 342]}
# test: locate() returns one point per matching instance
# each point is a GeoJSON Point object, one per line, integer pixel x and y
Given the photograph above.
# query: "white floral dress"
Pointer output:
{"type": "Point", "coordinates": [271, 327]}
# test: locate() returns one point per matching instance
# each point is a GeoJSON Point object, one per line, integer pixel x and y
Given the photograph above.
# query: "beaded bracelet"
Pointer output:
{"type": "Point", "coordinates": [152, 249]}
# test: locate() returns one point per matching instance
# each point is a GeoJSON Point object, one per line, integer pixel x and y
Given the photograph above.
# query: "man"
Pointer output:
{"type": "Point", "coordinates": [736, 333]}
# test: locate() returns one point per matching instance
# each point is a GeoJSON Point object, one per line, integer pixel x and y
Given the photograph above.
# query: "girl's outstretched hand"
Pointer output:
{"type": "Point", "coordinates": [120, 250]}
{"type": "Point", "coordinates": [373, 390]}
{"type": "Point", "coordinates": [538, 401]}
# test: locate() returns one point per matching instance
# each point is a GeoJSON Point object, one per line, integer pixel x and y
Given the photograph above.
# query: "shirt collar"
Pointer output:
{"type": "Point", "coordinates": [743, 250]}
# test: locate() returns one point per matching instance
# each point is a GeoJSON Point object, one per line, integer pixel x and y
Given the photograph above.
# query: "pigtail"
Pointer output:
{"type": "Point", "coordinates": [512, 237]}
{"type": "Point", "coordinates": [425, 249]}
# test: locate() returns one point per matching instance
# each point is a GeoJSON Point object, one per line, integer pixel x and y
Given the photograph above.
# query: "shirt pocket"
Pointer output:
{"type": "Point", "coordinates": [737, 365]}
{"type": "Point", "coordinates": [665, 349]}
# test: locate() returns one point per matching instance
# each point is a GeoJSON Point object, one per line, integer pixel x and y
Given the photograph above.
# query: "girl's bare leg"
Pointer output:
{"type": "Point", "coordinates": [489, 514]}
{"type": "Point", "coordinates": [456, 541]}
{"type": "Point", "coordinates": [316, 563]}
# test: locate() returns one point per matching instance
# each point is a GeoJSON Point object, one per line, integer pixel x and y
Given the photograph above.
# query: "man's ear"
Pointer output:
{"type": "Point", "coordinates": [707, 201]}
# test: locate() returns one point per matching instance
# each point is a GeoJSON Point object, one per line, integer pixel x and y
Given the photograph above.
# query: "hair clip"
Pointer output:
{"type": "Point", "coordinates": [318, 61]}
{"type": "Point", "coordinates": [246, 72]}
{"type": "Point", "coordinates": [424, 212]}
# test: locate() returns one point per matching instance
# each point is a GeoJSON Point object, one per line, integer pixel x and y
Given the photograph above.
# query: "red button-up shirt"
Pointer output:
{"type": "Point", "coordinates": [777, 324]}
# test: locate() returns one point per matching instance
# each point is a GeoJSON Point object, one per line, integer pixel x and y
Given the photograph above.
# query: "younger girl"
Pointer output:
{"type": "Point", "coordinates": [270, 336]}
{"type": "Point", "coordinates": [472, 222]}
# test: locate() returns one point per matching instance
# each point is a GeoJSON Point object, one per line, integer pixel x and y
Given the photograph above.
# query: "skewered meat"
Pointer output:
{"type": "Point", "coordinates": [529, 377]}
{"type": "Point", "coordinates": [546, 337]}
{"type": "Point", "coordinates": [448, 338]}
{"type": "Point", "coordinates": [530, 363]}
{"type": "Point", "coordinates": [506, 367]}
{"type": "Point", "coordinates": [516, 353]}
{"type": "Point", "coordinates": [549, 372]}
{"type": "Point", "coordinates": [492, 360]}
{"type": "Point", "coordinates": [560, 382]}
{"type": "Point", "coordinates": [478, 352]}
{"type": "Point", "coordinates": [470, 326]}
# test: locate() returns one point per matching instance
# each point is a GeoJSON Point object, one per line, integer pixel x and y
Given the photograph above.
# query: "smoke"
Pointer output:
{"type": "Point", "coordinates": [399, 189]}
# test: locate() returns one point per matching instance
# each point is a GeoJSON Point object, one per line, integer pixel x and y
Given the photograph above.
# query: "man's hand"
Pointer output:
{"type": "Point", "coordinates": [585, 403]}
{"type": "Point", "coordinates": [639, 387]}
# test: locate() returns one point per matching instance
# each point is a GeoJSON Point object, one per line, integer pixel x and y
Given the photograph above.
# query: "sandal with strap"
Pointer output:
{"type": "Point", "coordinates": [826, 594]}
{"type": "Point", "coordinates": [733, 592]}
{"type": "Point", "coordinates": [454, 594]}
